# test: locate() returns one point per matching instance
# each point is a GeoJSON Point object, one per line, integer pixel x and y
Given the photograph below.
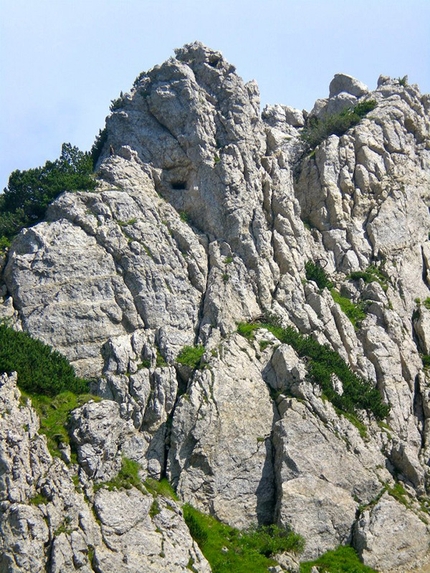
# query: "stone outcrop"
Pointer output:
{"type": "Point", "coordinates": [204, 217]}
{"type": "Point", "coordinates": [48, 524]}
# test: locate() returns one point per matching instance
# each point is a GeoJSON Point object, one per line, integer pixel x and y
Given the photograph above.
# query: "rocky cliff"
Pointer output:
{"type": "Point", "coordinates": [208, 215]}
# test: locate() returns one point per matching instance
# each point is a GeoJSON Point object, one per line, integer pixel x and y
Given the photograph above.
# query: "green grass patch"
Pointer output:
{"type": "Point", "coordinates": [127, 477]}
{"type": "Point", "coordinates": [399, 493]}
{"type": "Point", "coordinates": [355, 312]}
{"type": "Point", "coordinates": [323, 362]}
{"type": "Point", "coordinates": [247, 329]}
{"type": "Point", "coordinates": [161, 487]}
{"type": "Point", "coordinates": [355, 422]}
{"type": "Point", "coordinates": [191, 356]}
{"type": "Point", "coordinates": [54, 415]}
{"type": "Point", "coordinates": [341, 560]}
{"type": "Point", "coordinates": [229, 550]}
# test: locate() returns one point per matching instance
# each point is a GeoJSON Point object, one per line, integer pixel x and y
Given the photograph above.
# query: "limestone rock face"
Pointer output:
{"type": "Point", "coordinates": [221, 452]}
{"type": "Point", "coordinates": [47, 524]}
{"type": "Point", "coordinates": [390, 523]}
{"type": "Point", "coordinates": [205, 217]}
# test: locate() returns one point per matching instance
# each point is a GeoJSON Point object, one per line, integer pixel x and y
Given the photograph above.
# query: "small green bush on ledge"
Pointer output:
{"type": "Point", "coordinates": [315, 272]}
{"type": "Point", "coordinates": [317, 130]}
{"type": "Point", "coordinates": [191, 356]}
{"type": "Point", "coordinates": [371, 274]}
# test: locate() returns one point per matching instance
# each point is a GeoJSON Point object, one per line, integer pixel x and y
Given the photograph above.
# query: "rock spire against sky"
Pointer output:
{"type": "Point", "coordinates": [64, 61]}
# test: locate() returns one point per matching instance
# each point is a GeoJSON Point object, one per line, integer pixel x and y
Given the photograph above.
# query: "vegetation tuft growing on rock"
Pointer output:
{"type": "Point", "coordinates": [316, 273]}
{"type": "Point", "coordinates": [323, 363]}
{"type": "Point", "coordinates": [191, 356]}
{"type": "Point", "coordinates": [317, 130]}
{"type": "Point", "coordinates": [341, 560]}
{"type": "Point", "coordinates": [40, 369]}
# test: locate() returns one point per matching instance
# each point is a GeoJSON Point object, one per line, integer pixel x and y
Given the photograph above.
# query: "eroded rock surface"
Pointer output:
{"type": "Point", "coordinates": [48, 524]}
{"type": "Point", "coordinates": [204, 217]}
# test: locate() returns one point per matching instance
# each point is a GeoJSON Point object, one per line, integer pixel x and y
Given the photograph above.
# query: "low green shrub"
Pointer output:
{"type": "Point", "coordinates": [98, 145]}
{"type": "Point", "coordinates": [323, 362]}
{"type": "Point", "coordinates": [48, 379]}
{"type": "Point", "coordinates": [191, 356]}
{"type": "Point", "coordinates": [28, 193]}
{"type": "Point", "coordinates": [341, 560]}
{"type": "Point", "coordinates": [317, 130]}
{"type": "Point", "coordinates": [227, 549]}
{"type": "Point", "coordinates": [41, 370]}
{"type": "Point", "coordinates": [371, 274]}
{"type": "Point", "coordinates": [315, 272]}
{"type": "Point", "coordinates": [155, 508]}
{"type": "Point", "coordinates": [160, 361]}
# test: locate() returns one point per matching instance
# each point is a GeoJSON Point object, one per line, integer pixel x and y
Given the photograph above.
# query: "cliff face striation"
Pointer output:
{"type": "Point", "coordinates": [209, 215]}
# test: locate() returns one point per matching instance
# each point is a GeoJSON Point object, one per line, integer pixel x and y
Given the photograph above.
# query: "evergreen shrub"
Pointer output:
{"type": "Point", "coordinates": [41, 370]}
{"type": "Point", "coordinates": [25, 199]}
{"type": "Point", "coordinates": [317, 130]}
{"type": "Point", "coordinates": [315, 272]}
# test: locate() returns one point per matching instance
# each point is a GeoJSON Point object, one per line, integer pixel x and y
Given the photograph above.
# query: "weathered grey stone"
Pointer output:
{"type": "Point", "coordinates": [138, 542]}
{"type": "Point", "coordinates": [308, 452]}
{"type": "Point", "coordinates": [318, 510]}
{"type": "Point", "coordinates": [390, 523]}
{"type": "Point", "coordinates": [232, 478]}
{"type": "Point", "coordinates": [344, 83]}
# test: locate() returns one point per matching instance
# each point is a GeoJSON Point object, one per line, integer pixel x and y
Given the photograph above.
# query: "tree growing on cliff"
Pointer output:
{"type": "Point", "coordinates": [25, 199]}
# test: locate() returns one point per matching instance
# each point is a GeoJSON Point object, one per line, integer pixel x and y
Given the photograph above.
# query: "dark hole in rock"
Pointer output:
{"type": "Point", "coordinates": [214, 62]}
{"type": "Point", "coordinates": [179, 185]}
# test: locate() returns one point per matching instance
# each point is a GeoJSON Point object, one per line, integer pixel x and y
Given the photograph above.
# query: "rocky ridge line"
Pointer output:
{"type": "Point", "coordinates": [204, 217]}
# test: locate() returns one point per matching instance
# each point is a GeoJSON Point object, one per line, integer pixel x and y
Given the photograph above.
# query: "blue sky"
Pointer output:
{"type": "Point", "coordinates": [63, 61]}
